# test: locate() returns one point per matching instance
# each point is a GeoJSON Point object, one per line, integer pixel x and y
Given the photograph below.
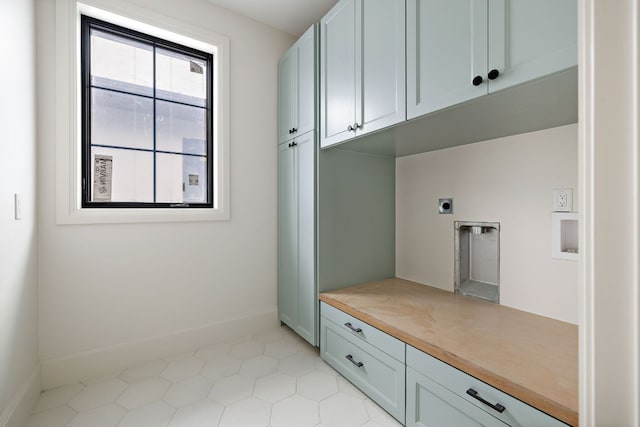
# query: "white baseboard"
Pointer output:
{"type": "Point", "coordinates": [22, 404]}
{"type": "Point", "coordinates": [104, 361]}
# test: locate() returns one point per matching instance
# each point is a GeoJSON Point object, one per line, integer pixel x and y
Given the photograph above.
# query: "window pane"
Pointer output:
{"type": "Point", "coordinates": [181, 179]}
{"type": "Point", "coordinates": [180, 128]}
{"type": "Point", "coordinates": [122, 64]}
{"type": "Point", "coordinates": [121, 120]}
{"type": "Point", "coordinates": [181, 78]}
{"type": "Point", "coordinates": [126, 174]}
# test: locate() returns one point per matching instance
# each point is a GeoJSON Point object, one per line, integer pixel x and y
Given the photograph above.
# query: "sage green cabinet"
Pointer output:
{"type": "Point", "coordinates": [297, 290]}
{"type": "Point", "coordinates": [431, 405]}
{"type": "Point", "coordinates": [360, 353]}
{"type": "Point", "coordinates": [297, 138]}
{"type": "Point", "coordinates": [296, 88]}
{"type": "Point", "coordinates": [439, 394]}
{"type": "Point", "coordinates": [362, 74]}
{"type": "Point", "coordinates": [336, 223]}
{"type": "Point", "coordinates": [458, 50]}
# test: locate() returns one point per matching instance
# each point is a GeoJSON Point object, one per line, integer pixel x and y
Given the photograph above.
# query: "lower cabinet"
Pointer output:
{"type": "Point", "coordinates": [439, 394]}
{"type": "Point", "coordinates": [414, 387]}
{"type": "Point", "coordinates": [431, 405]}
{"type": "Point", "coordinates": [376, 373]}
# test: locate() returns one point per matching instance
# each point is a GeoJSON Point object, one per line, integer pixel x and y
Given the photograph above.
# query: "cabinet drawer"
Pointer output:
{"type": "Point", "coordinates": [364, 332]}
{"type": "Point", "coordinates": [377, 374]}
{"type": "Point", "coordinates": [515, 413]}
{"type": "Point", "coordinates": [431, 405]}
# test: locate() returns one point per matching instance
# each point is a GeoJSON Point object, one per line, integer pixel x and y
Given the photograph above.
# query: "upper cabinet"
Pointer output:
{"type": "Point", "coordinates": [458, 50]}
{"type": "Point", "coordinates": [362, 77]}
{"type": "Point", "coordinates": [296, 88]}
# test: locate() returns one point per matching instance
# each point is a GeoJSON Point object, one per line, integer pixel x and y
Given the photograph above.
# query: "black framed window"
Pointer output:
{"type": "Point", "coordinates": [147, 120]}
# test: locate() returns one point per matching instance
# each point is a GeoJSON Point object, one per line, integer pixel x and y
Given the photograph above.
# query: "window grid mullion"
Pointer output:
{"type": "Point", "coordinates": [155, 124]}
{"type": "Point", "coordinates": [141, 95]}
{"type": "Point", "coordinates": [149, 150]}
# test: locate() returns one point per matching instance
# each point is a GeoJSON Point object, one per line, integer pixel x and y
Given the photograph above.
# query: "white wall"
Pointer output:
{"type": "Point", "coordinates": [508, 180]}
{"type": "Point", "coordinates": [19, 368]}
{"type": "Point", "coordinates": [119, 287]}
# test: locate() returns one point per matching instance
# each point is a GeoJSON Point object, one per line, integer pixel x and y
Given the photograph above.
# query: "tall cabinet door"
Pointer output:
{"type": "Point", "coordinates": [306, 82]}
{"type": "Point", "coordinates": [446, 51]}
{"type": "Point", "coordinates": [530, 39]}
{"type": "Point", "coordinates": [287, 96]}
{"type": "Point", "coordinates": [287, 236]}
{"type": "Point", "coordinates": [380, 66]}
{"type": "Point", "coordinates": [307, 303]}
{"type": "Point", "coordinates": [338, 73]}
{"type": "Point", "coordinates": [297, 87]}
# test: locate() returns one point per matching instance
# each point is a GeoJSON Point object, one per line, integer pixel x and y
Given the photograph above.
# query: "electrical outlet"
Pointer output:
{"type": "Point", "coordinates": [563, 200]}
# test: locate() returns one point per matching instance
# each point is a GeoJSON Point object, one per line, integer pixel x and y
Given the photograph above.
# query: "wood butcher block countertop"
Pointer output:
{"type": "Point", "coordinates": [530, 357]}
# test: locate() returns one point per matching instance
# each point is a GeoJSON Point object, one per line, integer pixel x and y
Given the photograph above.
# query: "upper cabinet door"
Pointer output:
{"type": "Point", "coordinates": [362, 74]}
{"type": "Point", "coordinates": [380, 66]}
{"type": "Point", "coordinates": [306, 80]}
{"type": "Point", "coordinates": [297, 88]}
{"type": "Point", "coordinates": [458, 50]}
{"type": "Point", "coordinates": [287, 82]}
{"type": "Point", "coordinates": [529, 39]}
{"type": "Point", "coordinates": [337, 73]}
{"type": "Point", "coordinates": [446, 53]}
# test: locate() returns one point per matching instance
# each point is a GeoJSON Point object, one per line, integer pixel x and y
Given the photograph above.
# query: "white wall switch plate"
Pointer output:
{"type": "Point", "coordinates": [563, 200]}
{"type": "Point", "coordinates": [17, 198]}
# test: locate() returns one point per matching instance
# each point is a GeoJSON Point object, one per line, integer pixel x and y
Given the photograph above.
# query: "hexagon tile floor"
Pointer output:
{"type": "Point", "coordinates": [271, 379]}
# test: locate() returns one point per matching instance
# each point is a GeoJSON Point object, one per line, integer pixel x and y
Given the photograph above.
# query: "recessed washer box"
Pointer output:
{"type": "Point", "coordinates": [477, 259]}
{"type": "Point", "coordinates": [564, 235]}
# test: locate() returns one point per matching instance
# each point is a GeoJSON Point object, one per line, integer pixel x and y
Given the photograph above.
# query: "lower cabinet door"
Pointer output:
{"type": "Point", "coordinates": [431, 405]}
{"type": "Point", "coordinates": [287, 236]}
{"type": "Point", "coordinates": [378, 375]}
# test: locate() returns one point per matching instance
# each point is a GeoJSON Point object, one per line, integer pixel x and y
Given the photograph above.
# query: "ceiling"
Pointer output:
{"type": "Point", "coordinates": [290, 16]}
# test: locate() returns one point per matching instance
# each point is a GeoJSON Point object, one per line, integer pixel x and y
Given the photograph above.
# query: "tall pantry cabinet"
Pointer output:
{"type": "Point", "coordinates": [296, 187]}
{"type": "Point", "coordinates": [336, 208]}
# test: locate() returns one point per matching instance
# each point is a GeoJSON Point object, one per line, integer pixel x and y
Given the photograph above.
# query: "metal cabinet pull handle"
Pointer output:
{"type": "Point", "coordinates": [294, 144]}
{"type": "Point", "coordinates": [350, 359]}
{"type": "Point", "coordinates": [497, 407]}
{"type": "Point", "coordinates": [493, 74]}
{"type": "Point", "coordinates": [356, 126]}
{"type": "Point", "coordinates": [350, 128]}
{"type": "Point", "coordinates": [294, 130]}
{"type": "Point", "coordinates": [350, 326]}
{"type": "Point", "coordinates": [477, 81]}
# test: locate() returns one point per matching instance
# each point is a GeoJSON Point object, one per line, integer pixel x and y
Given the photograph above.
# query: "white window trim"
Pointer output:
{"type": "Point", "coordinates": [68, 122]}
